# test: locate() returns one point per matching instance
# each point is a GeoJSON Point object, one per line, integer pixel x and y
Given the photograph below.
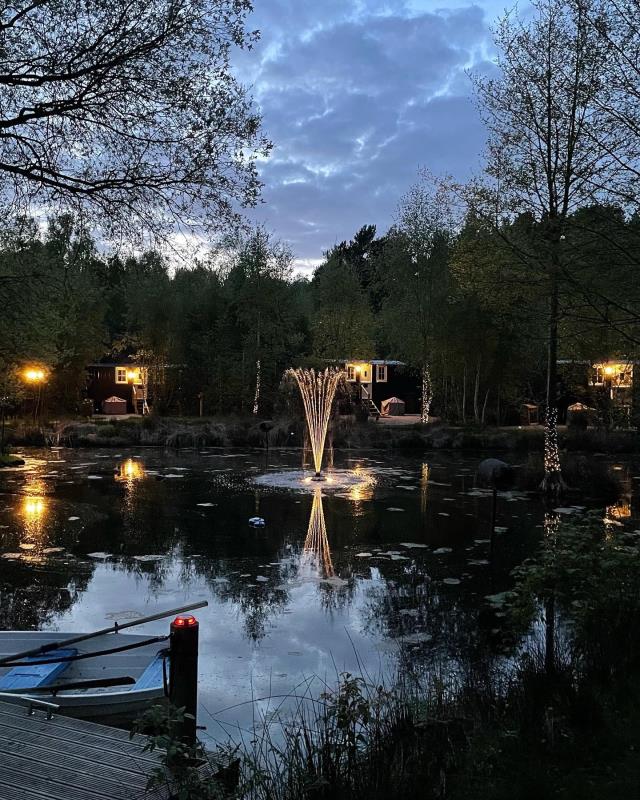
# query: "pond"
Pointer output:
{"type": "Point", "coordinates": [353, 578]}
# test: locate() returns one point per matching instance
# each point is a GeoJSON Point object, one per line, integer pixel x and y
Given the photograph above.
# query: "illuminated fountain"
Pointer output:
{"type": "Point", "coordinates": [318, 390]}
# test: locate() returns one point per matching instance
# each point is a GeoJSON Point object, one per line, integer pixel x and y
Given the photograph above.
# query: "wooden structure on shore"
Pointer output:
{"type": "Point", "coordinates": [51, 757]}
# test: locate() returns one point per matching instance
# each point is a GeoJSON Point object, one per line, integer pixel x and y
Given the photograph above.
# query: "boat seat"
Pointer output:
{"type": "Point", "coordinates": [30, 676]}
{"type": "Point", "coordinates": [151, 678]}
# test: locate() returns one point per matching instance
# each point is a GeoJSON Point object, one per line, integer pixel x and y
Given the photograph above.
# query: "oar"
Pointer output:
{"type": "Point", "coordinates": [97, 683]}
{"type": "Point", "coordinates": [113, 629]}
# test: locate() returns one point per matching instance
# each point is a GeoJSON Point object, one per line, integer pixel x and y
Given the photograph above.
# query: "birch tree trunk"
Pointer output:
{"type": "Point", "coordinates": [464, 393]}
{"type": "Point", "coordinates": [476, 392]}
{"type": "Point", "coordinates": [484, 406]}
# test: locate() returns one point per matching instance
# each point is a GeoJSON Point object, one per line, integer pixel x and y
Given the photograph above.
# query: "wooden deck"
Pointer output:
{"type": "Point", "coordinates": [67, 759]}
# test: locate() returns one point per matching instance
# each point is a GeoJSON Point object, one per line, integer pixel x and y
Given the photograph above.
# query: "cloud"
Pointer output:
{"type": "Point", "coordinates": [357, 95]}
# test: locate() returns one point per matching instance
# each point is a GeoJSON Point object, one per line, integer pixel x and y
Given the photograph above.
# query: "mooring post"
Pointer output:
{"type": "Point", "coordinates": [494, 509]}
{"type": "Point", "coordinates": [183, 673]}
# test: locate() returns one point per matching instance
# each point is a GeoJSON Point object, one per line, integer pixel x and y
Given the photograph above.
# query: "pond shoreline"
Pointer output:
{"type": "Point", "coordinates": [345, 433]}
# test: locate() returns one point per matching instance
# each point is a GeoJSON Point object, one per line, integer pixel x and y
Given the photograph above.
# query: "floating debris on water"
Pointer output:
{"type": "Point", "coordinates": [334, 580]}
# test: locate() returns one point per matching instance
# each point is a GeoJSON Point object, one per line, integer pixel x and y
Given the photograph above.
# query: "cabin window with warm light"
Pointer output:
{"type": "Point", "coordinates": [351, 372]}
{"type": "Point", "coordinates": [381, 373]}
{"type": "Point", "coordinates": [616, 375]}
{"type": "Point", "coordinates": [121, 374]}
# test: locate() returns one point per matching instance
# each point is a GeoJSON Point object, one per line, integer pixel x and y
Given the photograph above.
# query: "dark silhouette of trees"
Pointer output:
{"type": "Point", "coordinates": [127, 111]}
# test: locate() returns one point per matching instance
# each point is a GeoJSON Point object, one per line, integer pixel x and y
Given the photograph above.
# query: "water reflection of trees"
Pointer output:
{"type": "Point", "coordinates": [293, 566]}
{"type": "Point", "coordinates": [32, 595]}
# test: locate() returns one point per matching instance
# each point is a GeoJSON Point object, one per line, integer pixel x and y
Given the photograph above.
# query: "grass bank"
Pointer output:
{"type": "Point", "coordinates": [344, 433]}
{"type": "Point", "coordinates": [543, 702]}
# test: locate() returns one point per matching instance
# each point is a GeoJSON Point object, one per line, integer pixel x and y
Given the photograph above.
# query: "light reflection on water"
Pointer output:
{"type": "Point", "coordinates": [343, 576]}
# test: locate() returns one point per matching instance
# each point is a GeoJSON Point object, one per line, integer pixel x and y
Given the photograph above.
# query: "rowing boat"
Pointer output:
{"type": "Point", "coordinates": [114, 685]}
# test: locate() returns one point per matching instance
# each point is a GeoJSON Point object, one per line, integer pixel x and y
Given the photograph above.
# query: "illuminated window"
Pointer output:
{"type": "Point", "coordinates": [381, 373]}
{"type": "Point", "coordinates": [351, 372]}
{"type": "Point", "coordinates": [121, 374]}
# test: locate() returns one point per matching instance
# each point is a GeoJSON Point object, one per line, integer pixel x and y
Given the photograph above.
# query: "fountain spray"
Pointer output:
{"type": "Point", "coordinates": [318, 390]}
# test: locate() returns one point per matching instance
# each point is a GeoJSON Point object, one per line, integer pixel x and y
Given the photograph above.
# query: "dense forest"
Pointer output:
{"type": "Point", "coordinates": [460, 298]}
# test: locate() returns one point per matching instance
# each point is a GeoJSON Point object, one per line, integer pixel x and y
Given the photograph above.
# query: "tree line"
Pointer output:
{"type": "Point", "coordinates": [451, 301]}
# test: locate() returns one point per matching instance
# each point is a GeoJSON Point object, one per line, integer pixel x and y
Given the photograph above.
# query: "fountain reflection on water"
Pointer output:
{"type": "Point", "coordinates": [316, 555]}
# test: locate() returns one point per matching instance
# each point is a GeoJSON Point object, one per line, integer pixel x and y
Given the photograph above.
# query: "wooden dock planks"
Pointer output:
{"type": "Point", "coordinates": [67, 759]}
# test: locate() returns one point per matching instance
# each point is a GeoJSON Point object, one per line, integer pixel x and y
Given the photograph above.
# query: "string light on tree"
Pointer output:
{"type": "Point", "coordinates": [427, 394]}
{"type": "Point", "coordinates": [256, 397]}
{"type": "Point", "coordinates": [551, 449]}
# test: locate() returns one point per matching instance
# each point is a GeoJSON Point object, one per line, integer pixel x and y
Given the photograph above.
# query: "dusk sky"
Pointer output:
{"type": "Point", "coordinates": [356, 96]}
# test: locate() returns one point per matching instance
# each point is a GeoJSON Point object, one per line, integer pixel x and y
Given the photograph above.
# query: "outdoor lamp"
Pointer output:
{"type": "Point", "coordinates": [34, 375]}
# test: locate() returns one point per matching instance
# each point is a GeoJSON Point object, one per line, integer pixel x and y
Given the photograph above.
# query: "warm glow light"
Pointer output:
{"type": "Point", "coordinates": [131, 375]}
{"type": "Point", "coordinates": [33, 507]}
{"type": "Point", "coordinates": [130, 470]}
{"type": "Point", "coordinates": [34, 375]}
{"type": "Point", "coordinates": [358, 368]}
{"type": "Point", "coordinates": [621, 510]}
{"type": "Point", "coordinates": [608, 370]}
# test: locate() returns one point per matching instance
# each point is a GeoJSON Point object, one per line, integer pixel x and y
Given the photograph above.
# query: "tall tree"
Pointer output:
{"type": "Point", "coordinates": [415, 280]}
{"type": "Point", "coordinates": [343, 322]}
{"type": "Point", "coordinates": [127, 110]}
{"type": "Point", "coordinates": [258, 277]}
{"type": "Point", "coordinates": [543, 118]}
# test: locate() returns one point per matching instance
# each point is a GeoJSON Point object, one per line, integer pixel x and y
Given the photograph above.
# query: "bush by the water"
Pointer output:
{"type": "Point", "coordinates": [544, 703]}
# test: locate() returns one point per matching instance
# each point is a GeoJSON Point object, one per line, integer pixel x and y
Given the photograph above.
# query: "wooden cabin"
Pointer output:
{"type": "Point", "coordinates": [381, 379]}
{"type": "Point", "coordinates": [611, 385]}
{"type": "Point", "coordinates": [112, 381]}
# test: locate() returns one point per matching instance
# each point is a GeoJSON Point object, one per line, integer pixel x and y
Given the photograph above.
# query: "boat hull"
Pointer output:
{"type": "Point", "coordinates": [121, 703]}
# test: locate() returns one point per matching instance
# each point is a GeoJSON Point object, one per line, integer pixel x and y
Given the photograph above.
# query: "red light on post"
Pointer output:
{"type": "Point", "coordinates": [185, 621]}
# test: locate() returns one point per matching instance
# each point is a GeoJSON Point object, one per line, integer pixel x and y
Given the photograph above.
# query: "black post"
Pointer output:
{"type": "Point", "coordinates": [183, 675]}
{"type": "Point", "coordinates": [494, 509]}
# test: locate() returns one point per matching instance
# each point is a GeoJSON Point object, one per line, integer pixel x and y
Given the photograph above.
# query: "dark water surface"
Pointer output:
{"type": "Point", "coordinates": [340, 579]}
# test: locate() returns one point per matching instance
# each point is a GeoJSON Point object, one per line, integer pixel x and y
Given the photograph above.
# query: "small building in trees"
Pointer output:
{"type": "Point", "coordinates": [611, 386]}
{"type": "Point", "coordinates": [378, 380]}
{"type": "Point", "coordinates": [121, 379]}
